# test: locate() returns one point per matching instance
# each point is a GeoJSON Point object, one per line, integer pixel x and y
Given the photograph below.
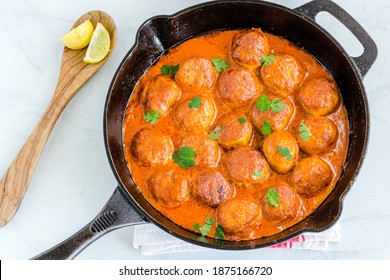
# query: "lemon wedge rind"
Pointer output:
{"type": "Point", "coordinates": [79, 37]}
{"type": "Point", "coordinates": [99, 46]}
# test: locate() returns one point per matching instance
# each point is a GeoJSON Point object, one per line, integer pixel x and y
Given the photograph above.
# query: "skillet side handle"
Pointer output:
{"type": "Point", "coordinates": [118, 212]}
{"type": "Point", "coordinates": [370, 53]}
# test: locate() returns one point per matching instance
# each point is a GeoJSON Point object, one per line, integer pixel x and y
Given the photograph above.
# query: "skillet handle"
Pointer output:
{"type": "Point", "coordinates": [367, 59]}
{"type": "Point", "coordinates": [117, 213]}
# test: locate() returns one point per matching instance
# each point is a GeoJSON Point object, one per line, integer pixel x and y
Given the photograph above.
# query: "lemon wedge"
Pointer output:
{"type": "Point", "coordinates": [99, 46]}
{"type": "Point", "coordinates": [79, 37]}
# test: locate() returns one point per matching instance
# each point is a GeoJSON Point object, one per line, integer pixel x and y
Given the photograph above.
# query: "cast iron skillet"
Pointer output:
{"type": "Point", "coordinates": [128, 207]}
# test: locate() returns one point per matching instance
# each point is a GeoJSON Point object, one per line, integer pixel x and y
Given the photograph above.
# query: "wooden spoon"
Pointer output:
{"type": "Point", "coordinates": [74, 73]}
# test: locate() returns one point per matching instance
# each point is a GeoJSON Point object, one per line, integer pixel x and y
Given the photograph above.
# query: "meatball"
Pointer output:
{"type": "Point", "coordinates": [284, 75]}
{"type": "Point", "coordinates": [310, 176]}
{"type": "Point", "coordinates": [196, 118]}
{"type": "Point", "coordinates": [322, 135]}
{"type": "Point", "coordinates": [197, 74]}
{"type": "Point", "coordinates": [319, 97]}
{"type": "Point", "coordinates": [238, 86]}
{"type": "Point", "coordinates": [151, 147]}
{"type": "Point", "coordinates": [248, 47]}
{"type": "Point", "coordinates": [281, 150]}
{"type": "Point", "coordinates": [238, 216]}
{"type": "Point", "coordinates": [287, 206]}
{"type": "Point", "coordinates": [234, 130]}
{"type": "Point", "coordinates": [169, 186]}
{"type": "Point", "coordinates": [277, 119]}
{"type": "Point", "coordinates": [207, 150]}
{"type": "Point", "coordinates": [246, 165]}
{"type": "Point", "coordinates": [159, 94]}
{"type": "Point", "coordinates": [211, 188]}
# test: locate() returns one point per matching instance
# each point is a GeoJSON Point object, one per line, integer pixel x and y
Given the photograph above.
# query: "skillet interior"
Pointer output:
{"type": "Point", "coordinates": [161, 33]}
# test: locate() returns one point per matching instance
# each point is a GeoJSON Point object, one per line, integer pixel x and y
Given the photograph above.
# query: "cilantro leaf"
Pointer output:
{"type": "Point", "coordinates": [214, 134]}
{"type": "Point", "coordinates": [209, 221]}
{"type": "Point", "coordinates": [151, 116]}
{"type": "Point", "coordinates": [304, 131]}
{"type": "Point", "coordinates": [266, 128]}
{"type": "Point", "coordinates": [258, 174]}
{"type": "Point", "coordinates": [169, 69]}
{"type": "Point", "coordinates": [185, 157]}
{"type": "Point", "coordinates": [219, 234]}
{"type": "Point", "coordinates": [206, 228]}
{"type": "Point", "coordinates": [264, 104]}
{"type": "Point", "coordinates": [272, 197]}
{"type": "Point", "coordinates": [242, 120]}
{"type": "Point", "coordinates": [284, 151]}
{"type": "Point", "coordinates": [267, 60]}
{"type": "Point", "coordinates": [195, 103]}
{"type": "Point", "coordinates": [220, 64]}
{"type": "Point", "coordinates": [277, 105]}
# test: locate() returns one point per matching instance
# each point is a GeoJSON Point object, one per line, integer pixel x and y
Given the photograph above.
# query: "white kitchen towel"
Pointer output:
{"type": "Point", "coordinates": [151, 240]}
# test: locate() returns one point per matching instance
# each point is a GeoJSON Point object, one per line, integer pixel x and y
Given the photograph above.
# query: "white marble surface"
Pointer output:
{"type": "Point", "coordinates": [73, 179]}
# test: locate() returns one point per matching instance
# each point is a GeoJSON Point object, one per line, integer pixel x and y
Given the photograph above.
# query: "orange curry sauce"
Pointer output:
{"type": "Point", "coordinates": [217, 44]}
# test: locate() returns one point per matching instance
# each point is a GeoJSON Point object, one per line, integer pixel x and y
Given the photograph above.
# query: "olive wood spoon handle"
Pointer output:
{"type": "Point", "coordinates": [74, 73]}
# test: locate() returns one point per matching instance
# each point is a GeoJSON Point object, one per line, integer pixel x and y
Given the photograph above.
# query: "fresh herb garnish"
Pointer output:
{"type": "Point", "coordinates": [266, 128]}
{"type": "Point", "coordinates": [264, 104]}
{"type": "Point", "coordinates": [185, 157]}
{"type": "Point", "coordinates": [284, 151]}
{"type": "Point", "coordinates": [219, 234]}
{"type": "Point", "coordinates": [169, 69]}
{"type": "Point", "coordinates": [214, 134]}
{"type": "Point", "coordinates": [195, 103]}
{"type": "Point", "coordinates": [151, 116]}
{"type": "Point", "coordinates": [206, 228]}
{"type": "Point", "coordinates": [276, 105]}
{"type": "Point", "coordinates": [242, 120]}
{"type": "Point", "coordinates": [304, 131]}
{"type": "Point", "coordinates": [220, 64]}
{"type": "Point", "coordinates": [267, 60]}
{"type": "Point", "coordinates": [258, 173]}
{"type": "Point", "coordinates": [272, 197]}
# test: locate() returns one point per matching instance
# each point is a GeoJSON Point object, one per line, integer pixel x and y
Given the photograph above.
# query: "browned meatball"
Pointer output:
{"type": "Point", "coordinates": [196, 73]}
{"type": "Point", "coordinates": [234, 130]}
{"type": "Point", "coordinates": [238, 216]}
{"type": "Point", "coordinates": [311, 176]}
{"type": "Point", "coordinates": [151, 147]}
{"type": "Point", "coordinates": [284, 75]}
{"type": "Point", "coordinates": [207, 150]}
{"type": "Point", "coordinates": [197, 119]}
{"type": "Point", "coordinates": [281, 202]}
{"type": "Point", "coordinates": [211, 188]}
{"type": "Point", "coordinates": [245, 166]}
{"type": "Point", "coordinates": [169, 186]}
{"type": "Point", "coordinates": [238, 86]}
{"type": "Point", "coordinates": [319, 97]}
{"type": "Point", "coordinates": [248, 47]}
{"type": "Point", "coordinates": [323, 135]}
{"type": "Point", "coordinates": [281, 150]}
{"type": "Point", "coordinates": [160, 94]}
{"type": "Point", "coordinates": [277, 119]}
